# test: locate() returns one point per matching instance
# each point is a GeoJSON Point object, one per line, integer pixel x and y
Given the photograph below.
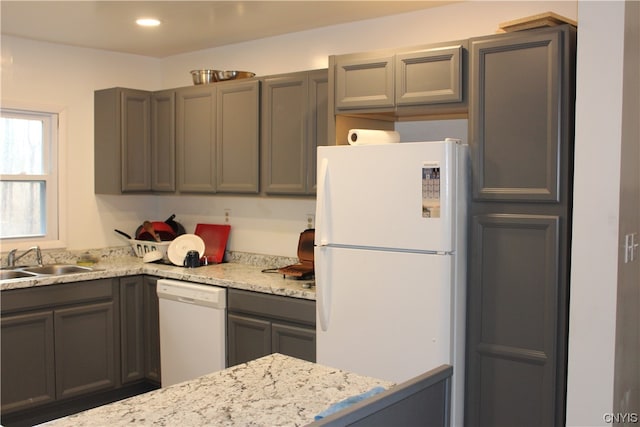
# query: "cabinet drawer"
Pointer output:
{"type": "Point", "coordinates": [278, 307]}
{"type": "Point", "coordinates": [52, 295]}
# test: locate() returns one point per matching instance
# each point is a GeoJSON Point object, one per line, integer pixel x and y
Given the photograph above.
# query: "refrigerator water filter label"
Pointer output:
{"type": "Point", "coordinates": [431, 190]}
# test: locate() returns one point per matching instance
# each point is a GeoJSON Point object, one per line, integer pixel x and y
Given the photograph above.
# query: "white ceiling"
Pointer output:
{"type": "Point", "coordinates": [186, 25]}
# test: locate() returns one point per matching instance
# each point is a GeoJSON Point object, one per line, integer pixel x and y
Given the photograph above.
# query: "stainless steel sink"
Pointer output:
{"type": "Point", "coordinates": [43, 270]}
{"type": "Point", "coordinates": [14, 274]}
{"type": "Point", "coordinates": [57, 269]}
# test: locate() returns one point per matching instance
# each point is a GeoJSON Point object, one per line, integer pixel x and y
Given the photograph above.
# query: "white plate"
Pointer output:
{"type": "Point", "coordinates": [182, 244]}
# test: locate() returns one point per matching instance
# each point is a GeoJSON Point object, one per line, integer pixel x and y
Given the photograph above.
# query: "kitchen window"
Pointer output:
{"type": "Point", "coordinates": [29, 187]}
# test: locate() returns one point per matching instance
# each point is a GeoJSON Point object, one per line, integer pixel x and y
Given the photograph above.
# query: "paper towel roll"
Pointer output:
{"type": "Point", "coordinates": [372, 136]}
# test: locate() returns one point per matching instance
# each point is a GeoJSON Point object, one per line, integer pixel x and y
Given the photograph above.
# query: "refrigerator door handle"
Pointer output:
{"type": "Point", "coordinates": [322, 207]}
{"type": "Point", "coordinates": [323, 288]}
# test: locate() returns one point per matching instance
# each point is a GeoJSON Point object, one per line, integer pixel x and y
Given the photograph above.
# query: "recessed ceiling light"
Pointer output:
{"type": "Point", "coordinates": [148, 22]}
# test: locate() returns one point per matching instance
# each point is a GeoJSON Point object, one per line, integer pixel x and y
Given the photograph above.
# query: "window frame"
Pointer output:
{"type": "Point", "coordinates": [55, 198]}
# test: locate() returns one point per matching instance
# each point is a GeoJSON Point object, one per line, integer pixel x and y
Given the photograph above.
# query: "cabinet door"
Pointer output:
{"type": "Point", "coordinates": [284, 133]}
{"type": "Point", "coordinates": [515, 117]}
{"type": "Point", "coordinates": [28, 361]}
{"type": "Point", "coordinates": [430, 76]}
{"type": "Point", "coordinates": [86, 349]}
{"type": "Point", "coordinates": [294, 341]}
{"type": "Point", "coordinates": [248, 339]}
{"type": "Point", "coordinates": [364, 83]}
{"type": "Point", "coordinates": [163, 141]}
{"type": "Point", "coordinates": [513, 320]}
{"type": "Point", "coordinates": [136, 140]}
{"type": "Point", "coordinates": [121, 141]}
{"type": "Point", "coordinates": [195, 139]}
{"type": "Point", "coordinates": [132, 328]}
{"type": "Point", "coordinates": [151, 330]}
{"type": "Point", "coordinates": [520, 137]}
{"type": "Point", "coordinates": [318, 130]}
{"type": "Point", "coordinates": [238, 137]}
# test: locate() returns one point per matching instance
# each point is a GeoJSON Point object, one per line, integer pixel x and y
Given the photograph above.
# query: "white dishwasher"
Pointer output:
{"type": "Point", "coordinates": [192, 330]}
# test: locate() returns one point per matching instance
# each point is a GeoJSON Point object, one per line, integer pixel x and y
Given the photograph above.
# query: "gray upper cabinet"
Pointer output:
{"type": "Point", "coordinates": [429, 76]}
{"type": "Point", "coordinates": [217, 137]}
{"type": "Point", "coordinates": [163, 141]}
{"type": "Point", "coordinates": [195, 139]}
{"type": "Point", "coordinates": [364, 82]}
{"type": "Point", "coordinates": [318, 130]}
{"type": "Point", "coordinates": [515, 117]}
{"type": "Point", "coordinates": [521, 137]}
{"type": "Point", "coordinates": [122, 141]}
{"type": "Point", "coordinates": [398, 81]}
{"type": "Point", "coordinates": [134, 141]}
{"type": "Point", "coordinates": [294, 122]}
{"type": "Point", "coordinates": [238, 137]}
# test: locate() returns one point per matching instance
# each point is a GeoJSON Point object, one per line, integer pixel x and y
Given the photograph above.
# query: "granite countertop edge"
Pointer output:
{"type": "Point", "coordinates": [229, 274]}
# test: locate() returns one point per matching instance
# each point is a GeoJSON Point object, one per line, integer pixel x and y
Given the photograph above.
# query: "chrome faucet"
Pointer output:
{"type": "Point", "coordinates": [11, 258]}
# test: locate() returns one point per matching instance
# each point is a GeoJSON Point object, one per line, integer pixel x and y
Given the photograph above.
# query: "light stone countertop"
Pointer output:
{"type": "Point", "coordinates": [236, 275]}
{"type": "Point", "coordinates": [275, 390]}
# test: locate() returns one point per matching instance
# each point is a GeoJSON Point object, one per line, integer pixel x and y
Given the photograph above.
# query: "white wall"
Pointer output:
{"type": "Point", "coordinates": [54, 75]}
{"type": "Point", "coordinates": [596, 213]}
{"type": "Point", "coordinates": [310, 49]}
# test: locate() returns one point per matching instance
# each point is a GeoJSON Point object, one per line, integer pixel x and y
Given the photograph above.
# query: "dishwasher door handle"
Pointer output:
{"type": "Point", "coordinates": [186, 300]}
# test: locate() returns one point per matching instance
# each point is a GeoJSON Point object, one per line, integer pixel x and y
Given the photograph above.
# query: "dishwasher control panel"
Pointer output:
{"type": "Point", "coordinates": [192, 293]}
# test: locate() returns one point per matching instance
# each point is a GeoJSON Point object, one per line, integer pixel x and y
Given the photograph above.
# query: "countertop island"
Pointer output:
{"type": "Point", "coordinates": [275, 390]}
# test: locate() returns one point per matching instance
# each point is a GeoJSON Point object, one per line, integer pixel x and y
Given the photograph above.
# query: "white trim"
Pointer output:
{"type": "Point", "coordinates": [60, 140]}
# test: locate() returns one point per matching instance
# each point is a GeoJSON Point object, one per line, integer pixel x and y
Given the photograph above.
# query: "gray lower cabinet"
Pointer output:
{"type": "Point", "coordinates": [217, 137]}
{"type": "Point", "coordinates": [260, 324]}
{"type": "Point", "coordinates": [58, 342]}
{"type": "Point", "coordinates": [85, 348]}
{"type": "Point", "coordinates": [151, 330]}
{"type": "Point", "coordinates": [140, 336]}
{"type": "Point", "coordinates": [294, 124]}
{"type": "Point", "coordinates": [132, 324]}
{"type": "Point", "coordinates": [521, 138]}
{"type": "Point", "coordinates": [27, 347]}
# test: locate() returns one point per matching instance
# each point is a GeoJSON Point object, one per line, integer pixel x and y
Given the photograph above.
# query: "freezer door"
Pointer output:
{"type": "Point", "coordinates": [383, 314]}
{"type": "Point", "coordinates": [388, 196]}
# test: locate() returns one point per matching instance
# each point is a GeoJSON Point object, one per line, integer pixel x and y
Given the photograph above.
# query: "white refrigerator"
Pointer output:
{"type": "Point", "coordinates": [390, 260]}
